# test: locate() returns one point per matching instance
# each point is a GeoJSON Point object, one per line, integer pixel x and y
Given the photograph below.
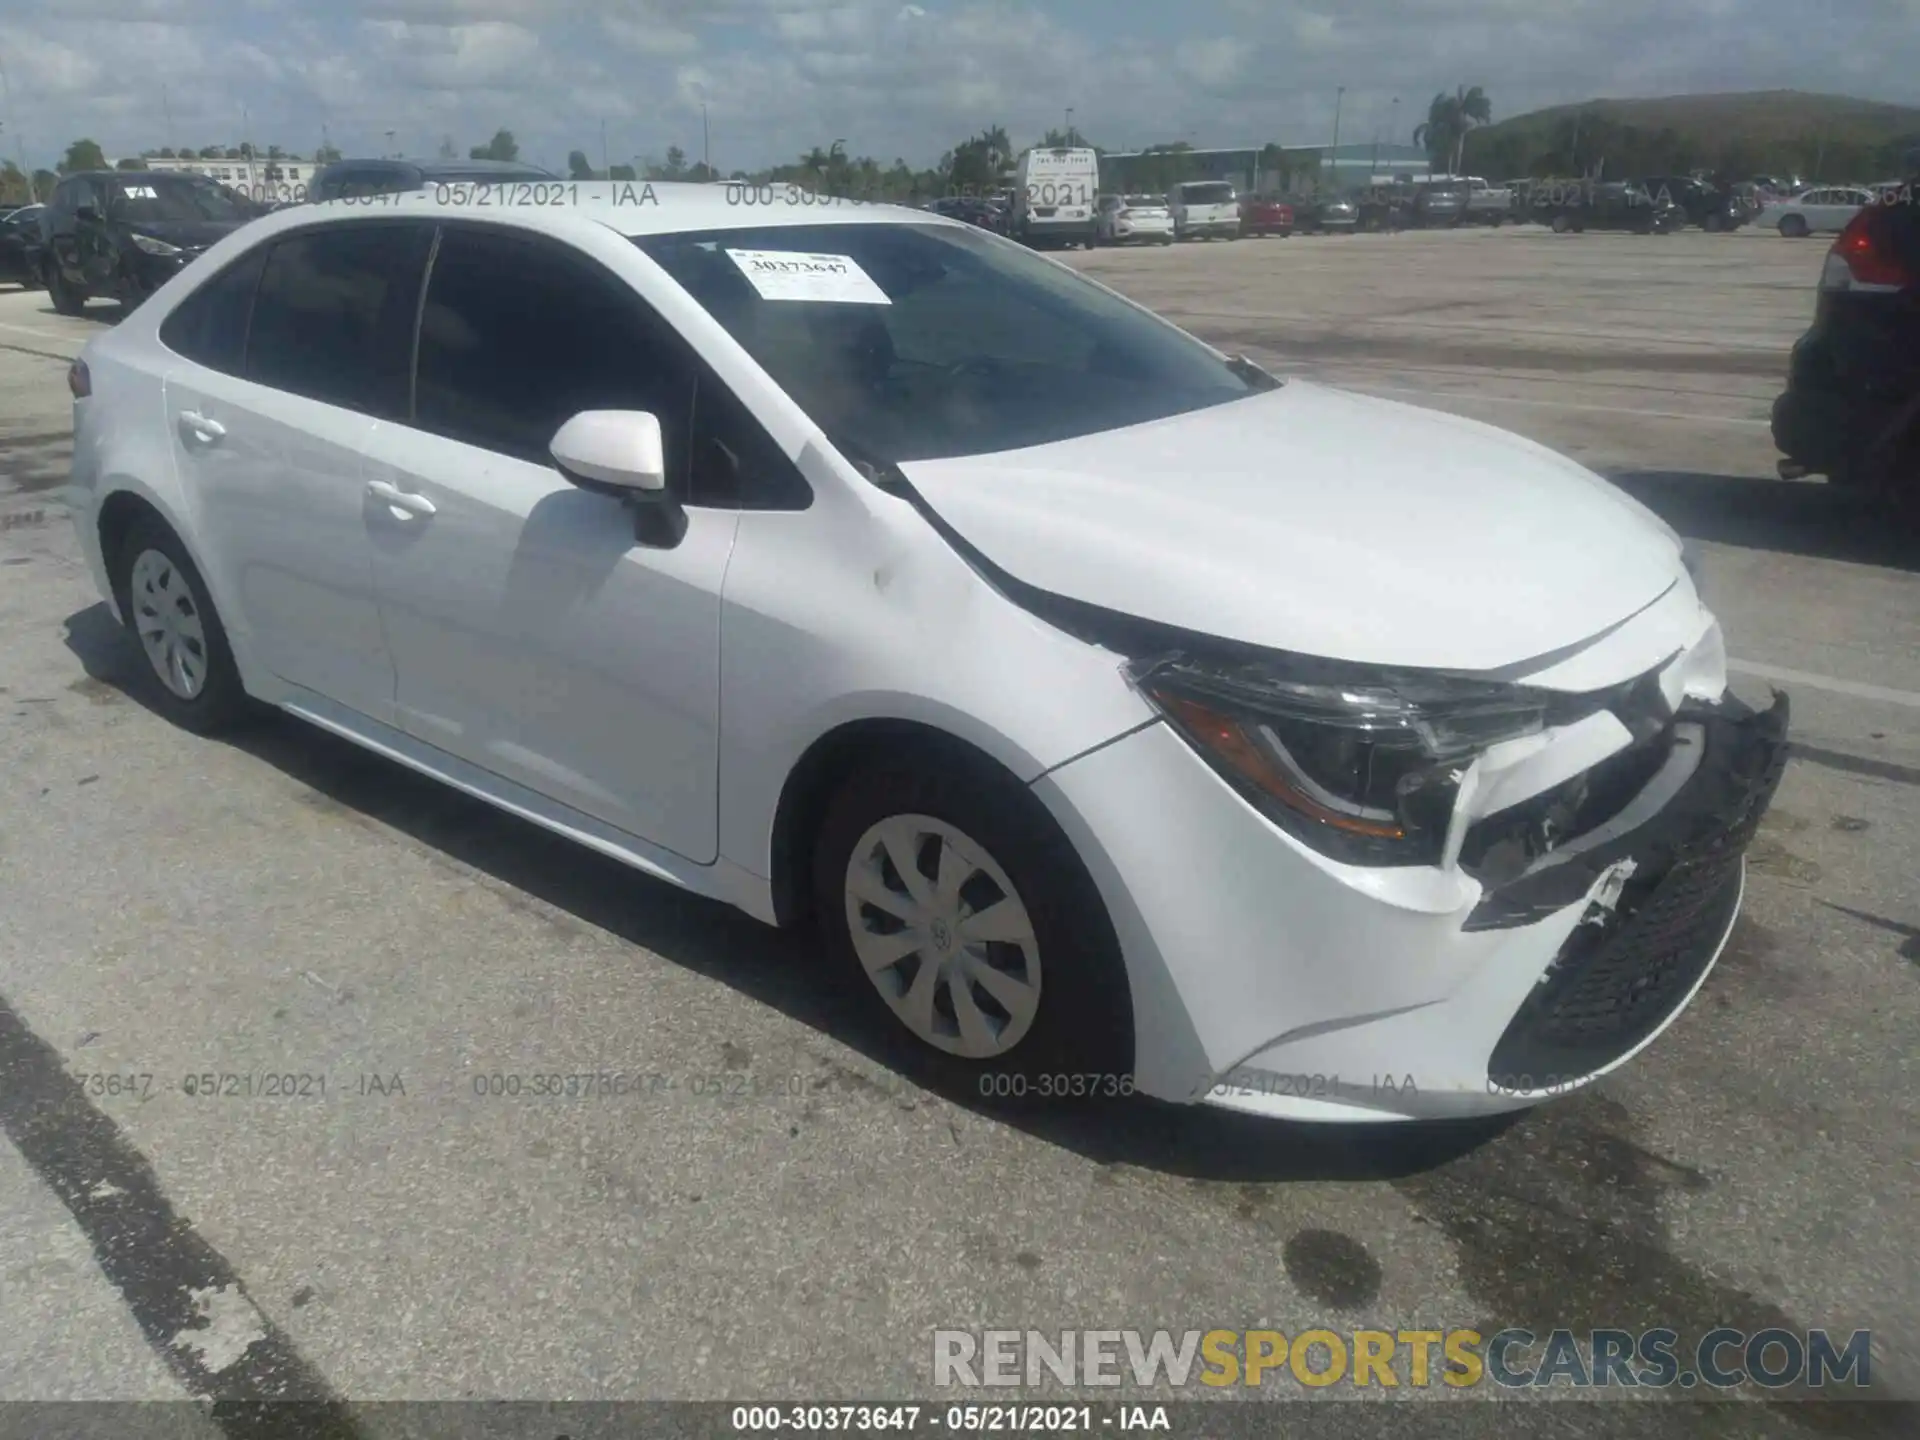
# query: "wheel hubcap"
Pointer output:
{"type": "Point", "coordinates": [943, 936]}
{"type": "Point", "coordinates": [168, 623]}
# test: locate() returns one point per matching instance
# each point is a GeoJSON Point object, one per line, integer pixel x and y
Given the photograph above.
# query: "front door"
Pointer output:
{"type": "Point", "coordinates": [533, 635]}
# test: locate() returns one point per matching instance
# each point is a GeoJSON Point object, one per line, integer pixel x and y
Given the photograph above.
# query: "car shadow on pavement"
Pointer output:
{"type": "Point", "coordinates": [1790, 516]}
{"type": "Point", "coordinates": [775, 968]}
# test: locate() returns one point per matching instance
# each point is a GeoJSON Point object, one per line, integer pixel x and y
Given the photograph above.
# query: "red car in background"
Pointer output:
{"type": "Point", "coordinates": [1263, 215]}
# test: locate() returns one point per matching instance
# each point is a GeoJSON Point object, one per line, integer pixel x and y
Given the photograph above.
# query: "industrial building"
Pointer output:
{"type": "Point", "coordinates": [1304, 167]}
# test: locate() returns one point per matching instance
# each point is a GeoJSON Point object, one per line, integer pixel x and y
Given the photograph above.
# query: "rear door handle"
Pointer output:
{"type": "Point", "coordinates": [395, 498]}
{"type": "Point", "coordinates": [195, 426]}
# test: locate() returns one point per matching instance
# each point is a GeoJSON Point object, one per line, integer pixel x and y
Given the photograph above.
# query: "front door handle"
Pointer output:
{"type": "Point", "coordinates": [395, 498]}
{"type": "Point", "coordinates": [197, 427]}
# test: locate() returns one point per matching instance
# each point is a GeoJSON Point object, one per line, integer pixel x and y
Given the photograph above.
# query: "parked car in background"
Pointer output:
{"type": "Point", "coordinates": [1205, 210]}
{"type": "Point", "coordinates": [1612, 205]}
{"type": "Point", "coordinates": [1055, 191]}
{"type": "Point", "coordinates": [1132, 220]}
{"type": "Point", "coordinates": [1487, 203]}
{"type": "Point", "coordinates": [1266, 215]}
{"type": "Point", "coordinates": [901, 588]}
{"type": "Point", "coordinates": [987, 214]}
{"type": "Point", "coordinates": [356, 179]}
{"type": "Point", "coordinates": [1440, 204]}
{"type": "Point", "coordinates": [122, 234]}
{"type": "Point", "coordinates": [20, 247]}
{"type": "Point", "coordinates": [1329, 214]}
{"type": "Point", "coordinates": [1699, 202]}
{"type": "Point", "coordinates": [1823, 210]}
{"type": "Point", "coordinates": [1851, 409]}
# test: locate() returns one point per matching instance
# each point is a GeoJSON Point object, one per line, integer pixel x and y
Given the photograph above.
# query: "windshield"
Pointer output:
{"type": "Point", "coordinates": [918, 342]}
{"type": "Point", "coordinates": [1207, 194]}
{"type": "Point", "coordinates": [145, 198]}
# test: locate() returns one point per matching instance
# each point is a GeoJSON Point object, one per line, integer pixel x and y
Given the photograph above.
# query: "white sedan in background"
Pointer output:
{"type": "Point", "coordinates": [863, 570]}
{"type": "Point", "coordinates": [1821, 211]}
{"type": "Point", "coordinates": [1133, 219]}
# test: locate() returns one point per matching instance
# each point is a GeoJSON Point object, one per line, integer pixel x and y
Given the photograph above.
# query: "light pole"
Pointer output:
{"type": "Point", "coordinates": [1069, 124]}
{"type": "Point", "coordinates": [1333, 154]}
{"type": "Point", "coordinates": [706, 142]}
{"type": "Point", "coordinates": [1393, 127]}
{"type": "Point", "coordinates": [390, 153]}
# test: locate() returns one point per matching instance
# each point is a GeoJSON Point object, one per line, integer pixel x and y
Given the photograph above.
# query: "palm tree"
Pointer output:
{"type": "Point", "coordinates": [1444, 134]}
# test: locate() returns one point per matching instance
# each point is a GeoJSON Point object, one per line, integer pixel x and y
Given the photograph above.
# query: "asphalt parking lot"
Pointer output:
{"type": "Point", "coordinates": [787, 1215]}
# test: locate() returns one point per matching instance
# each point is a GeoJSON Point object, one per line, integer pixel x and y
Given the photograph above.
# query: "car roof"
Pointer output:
{"type": "Point", "coordinates": [447, 167]}
{"type": "Point", "coordinates": [632, 209]}
{"type": "Point", "coordinates": [169, 176]}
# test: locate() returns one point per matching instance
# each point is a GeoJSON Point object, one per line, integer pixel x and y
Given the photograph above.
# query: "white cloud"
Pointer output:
{"type": "Point", "coordinates": [905, 77]}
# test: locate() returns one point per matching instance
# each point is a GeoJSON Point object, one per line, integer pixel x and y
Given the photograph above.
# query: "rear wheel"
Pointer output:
{"type": "Point", "coordinates": [165, 604]}
{"type": "Point", "coordinates": [955, 905]}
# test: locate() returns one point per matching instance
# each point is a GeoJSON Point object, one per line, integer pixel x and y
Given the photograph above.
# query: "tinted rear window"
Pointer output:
{"type": "Point", "coordinates": [210, 326]}
{"type": "Point", "coordinates": [1207, 194]}
{"type": "Point", "coordinates": [334, 312]}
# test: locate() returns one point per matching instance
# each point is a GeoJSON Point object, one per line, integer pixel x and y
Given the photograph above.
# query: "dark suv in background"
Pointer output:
{"type": "Point", "coordinates": [1699, 202]}
{"type": "Point", "coordinates": [123, 234]}
{"type": "Point", "coordinates": [1851, 410]}
{"type": "Point", "coordinates": [355, 178]}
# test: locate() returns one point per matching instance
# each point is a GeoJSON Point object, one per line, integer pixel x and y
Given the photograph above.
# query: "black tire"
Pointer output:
{"type": "Point", "coordinates": [1083, 1024]}
{"type": "Point", "coordinates": [1793, 227]}
{"type": "Point", "coordinates": [221, 702]}
{"type": "Point", "coordinates": [66, 299]}
{"type": "Point", "coordinates": [1562, 224]}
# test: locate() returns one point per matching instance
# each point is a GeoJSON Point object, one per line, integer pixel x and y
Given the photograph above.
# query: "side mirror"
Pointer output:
{"type": "Point", "coordinates": [620, 453]}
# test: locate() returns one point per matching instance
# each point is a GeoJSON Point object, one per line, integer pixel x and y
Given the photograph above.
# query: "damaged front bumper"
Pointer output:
{"type": "Point", "coordinates": [1660, 897]}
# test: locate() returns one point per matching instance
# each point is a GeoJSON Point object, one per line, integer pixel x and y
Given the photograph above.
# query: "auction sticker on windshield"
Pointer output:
{"type": "Point", "coordinates": [790, 275]}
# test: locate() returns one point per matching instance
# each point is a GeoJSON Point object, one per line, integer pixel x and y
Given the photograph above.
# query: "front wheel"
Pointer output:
{"type": "Point", "coordinates": [1793, 227]}
{"type": "Point", "coordinates": [953, 902]}
{"type": "Point", "coordinates": [67, 300]}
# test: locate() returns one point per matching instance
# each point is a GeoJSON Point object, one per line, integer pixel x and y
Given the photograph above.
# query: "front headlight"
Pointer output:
{"type": "Point", "coordinates": [155, 247]}
{"type": "Point", "coordinates": [1365, 767]}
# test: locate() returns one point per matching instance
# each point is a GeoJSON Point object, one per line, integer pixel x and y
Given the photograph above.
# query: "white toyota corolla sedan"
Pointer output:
{"type": "Point", "coordinates": [1123, 718]}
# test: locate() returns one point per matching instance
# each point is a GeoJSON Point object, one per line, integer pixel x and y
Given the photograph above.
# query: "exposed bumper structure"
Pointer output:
{"type": "Point", "coordinates": [1271, 980]}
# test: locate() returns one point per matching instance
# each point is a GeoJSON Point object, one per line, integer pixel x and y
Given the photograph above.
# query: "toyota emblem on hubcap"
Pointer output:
{"type": "Point", "coordinates": [942, 937]}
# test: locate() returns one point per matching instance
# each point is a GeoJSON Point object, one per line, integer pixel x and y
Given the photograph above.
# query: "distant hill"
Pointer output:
{"type": "Point", "coordinates": [1829, 137]}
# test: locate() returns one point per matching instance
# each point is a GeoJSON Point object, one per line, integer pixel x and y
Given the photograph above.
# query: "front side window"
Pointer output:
{"type": "Point", "coordinates": [333, 313]}
{"type": "Point", "coordinates": [981, 345]}
{"type": "Point", "coordinates": [518, 335]}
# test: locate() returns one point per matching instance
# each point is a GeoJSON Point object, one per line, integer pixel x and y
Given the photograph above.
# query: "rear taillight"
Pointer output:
{"type": "Point", "coordinates": [1863, 260]}
{"type": "Point", "coordinates": [78, 380]}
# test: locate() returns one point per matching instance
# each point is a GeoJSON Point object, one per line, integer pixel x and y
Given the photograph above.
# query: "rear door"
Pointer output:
{"type": "Point", "coordinates": [533, 635]}
{"type": "Point", "coordinates": [267, 443]}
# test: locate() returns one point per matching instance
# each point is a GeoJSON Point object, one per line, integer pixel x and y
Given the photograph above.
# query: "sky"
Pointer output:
{"type": "Point", "coordinates": [891, 78]}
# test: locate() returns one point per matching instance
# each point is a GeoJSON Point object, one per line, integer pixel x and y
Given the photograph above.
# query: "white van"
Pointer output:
{"type": "Point", "coordinates": [1203, 209]}
{"type": "Point", "coordinates": [1054, 192]}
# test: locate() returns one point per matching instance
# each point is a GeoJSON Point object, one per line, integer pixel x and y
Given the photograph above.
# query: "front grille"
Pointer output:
{"type": "Point", "coordinates": [1613, 984]}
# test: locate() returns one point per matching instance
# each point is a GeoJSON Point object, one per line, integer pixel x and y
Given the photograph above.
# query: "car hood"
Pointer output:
{"type": "Point", "coordinates": [188, 234]}
{"type": "Point", "coordinates": [1320, 522]}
